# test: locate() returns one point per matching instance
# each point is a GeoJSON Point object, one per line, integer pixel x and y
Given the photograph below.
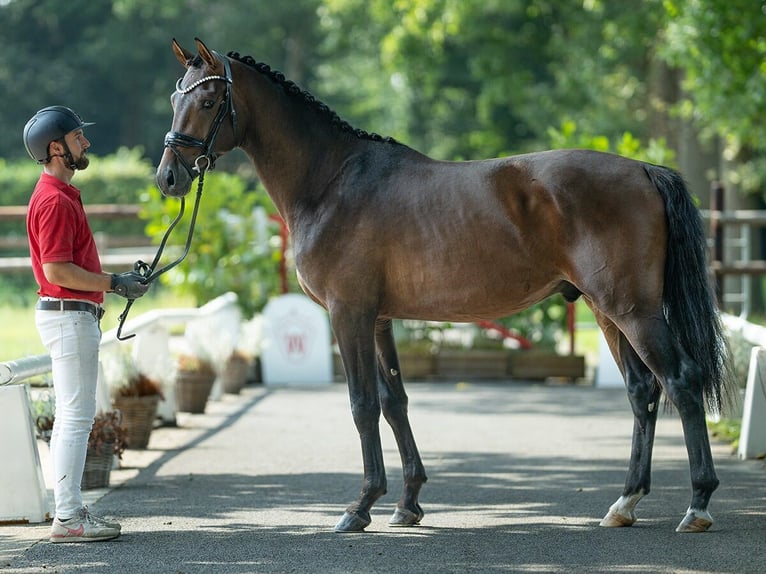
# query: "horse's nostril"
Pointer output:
{"type": "Point", "coordinates": [170, 178]}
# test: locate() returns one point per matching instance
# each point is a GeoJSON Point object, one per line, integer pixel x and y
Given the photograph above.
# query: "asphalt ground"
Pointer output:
{"type": "Point", "coordinates": [519, 477]}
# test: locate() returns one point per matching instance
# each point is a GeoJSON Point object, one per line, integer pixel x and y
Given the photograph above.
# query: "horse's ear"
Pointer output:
{"type": "Point", "coordinates": [207, 56]}
{"type": "Point", "coordinates": [184, 56]}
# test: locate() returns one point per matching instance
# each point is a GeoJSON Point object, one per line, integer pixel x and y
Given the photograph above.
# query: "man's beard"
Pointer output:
{"type": "Point", "coordinates": [81, 162]}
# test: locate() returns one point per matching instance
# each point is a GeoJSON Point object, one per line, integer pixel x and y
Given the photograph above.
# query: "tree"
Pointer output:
{"type": "Point", "coordinates": [111, 60]}
{"type": "Point", "coordinates": [479, 78]}
{"type": "Point", "coordinates": [720, 48]}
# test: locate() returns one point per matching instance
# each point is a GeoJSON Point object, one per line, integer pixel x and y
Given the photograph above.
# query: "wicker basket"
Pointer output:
{"type": "Point", "coordinates": [192, 390]}
{"type": "Point", "coordinates": [138, 414]}
{"type": "Point", "coordinates": [98, 466]}
{"type": "Point", "coordinates": [234, 374]}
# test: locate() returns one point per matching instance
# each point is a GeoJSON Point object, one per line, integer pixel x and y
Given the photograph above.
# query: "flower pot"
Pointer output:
{"type": "Point", "coordinates": [234, 374]}
{"type": "Point", "coordinates": [138, 414]}
{"type": "Point", "coordinates": [192, 390]}
{"type": "Point", "coordinates": [98, 466]}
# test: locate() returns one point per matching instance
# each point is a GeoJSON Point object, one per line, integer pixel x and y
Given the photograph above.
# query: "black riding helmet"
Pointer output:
{"type": "Point", "coordinates": [47, 125]}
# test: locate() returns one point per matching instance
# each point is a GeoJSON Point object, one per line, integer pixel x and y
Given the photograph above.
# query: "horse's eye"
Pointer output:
{"type": "Point", "coordinates": [207, 104]}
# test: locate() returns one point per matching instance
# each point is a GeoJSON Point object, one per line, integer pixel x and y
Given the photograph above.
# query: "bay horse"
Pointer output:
{"type": "Point", "coordinates": [381, 231]}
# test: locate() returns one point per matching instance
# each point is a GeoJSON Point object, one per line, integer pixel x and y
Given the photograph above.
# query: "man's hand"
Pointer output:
{"type": "Point", "coordinates": [130, 285]}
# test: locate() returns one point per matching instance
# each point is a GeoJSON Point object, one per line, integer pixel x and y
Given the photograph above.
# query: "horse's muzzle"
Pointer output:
{"type": "Point", "coordinates": [170, 180]}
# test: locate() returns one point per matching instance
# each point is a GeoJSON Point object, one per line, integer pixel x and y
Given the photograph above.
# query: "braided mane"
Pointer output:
{"type": "Point", "coordinates": [293, 90]}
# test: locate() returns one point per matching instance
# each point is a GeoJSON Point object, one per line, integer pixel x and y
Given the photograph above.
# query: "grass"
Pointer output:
{"type": "Point", "coordinates": [20, 339]}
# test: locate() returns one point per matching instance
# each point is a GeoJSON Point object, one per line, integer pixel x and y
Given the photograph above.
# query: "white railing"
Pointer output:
{"type": "Point", "coordinates": [20, 370]}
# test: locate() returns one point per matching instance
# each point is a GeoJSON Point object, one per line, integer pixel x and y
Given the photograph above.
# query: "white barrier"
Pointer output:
{"type": "Point", "coordinates": [607, 372]}
{"type": "Point", "coordinates": [23, 497]}
{"type": "Point", "coordinates": [752, 437]}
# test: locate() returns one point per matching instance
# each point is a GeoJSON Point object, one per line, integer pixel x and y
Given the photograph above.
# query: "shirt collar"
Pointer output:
{"type": "Point", "coordinates": [67, 188]}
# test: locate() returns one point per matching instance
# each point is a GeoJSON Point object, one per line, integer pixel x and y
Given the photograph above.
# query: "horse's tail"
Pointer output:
{"type": "Point", "coordinates": [688, 298]}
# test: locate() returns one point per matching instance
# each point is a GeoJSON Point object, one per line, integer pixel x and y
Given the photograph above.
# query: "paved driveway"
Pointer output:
{"type": "Point", "coordinates": [519, 477]}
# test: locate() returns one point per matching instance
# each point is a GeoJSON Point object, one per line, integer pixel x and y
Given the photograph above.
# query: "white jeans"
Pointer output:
{"type": "Point", "coordinates": [72, 339]}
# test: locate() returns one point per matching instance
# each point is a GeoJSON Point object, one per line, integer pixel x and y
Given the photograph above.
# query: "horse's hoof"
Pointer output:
{"type": "Point", "coordinates": [695, 521]}
{"type": "Point", "coordinates": [405, 517]}
{"type": "Point", "coordinates": [352, 523]}
{"type": "Point", "coordinates": [615, 519]}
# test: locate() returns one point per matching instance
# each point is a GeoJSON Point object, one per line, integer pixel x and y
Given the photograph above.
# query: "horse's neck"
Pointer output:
{"type": "Point", "coordinates": [294, 149]}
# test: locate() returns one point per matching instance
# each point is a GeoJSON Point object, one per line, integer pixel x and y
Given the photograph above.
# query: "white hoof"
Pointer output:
{"type": "Point", "coordinates": [621, 513]}
{"type": "Point", "coordinates": [615, 520]}
{"type": "Point", "coordinates": [695, 521]}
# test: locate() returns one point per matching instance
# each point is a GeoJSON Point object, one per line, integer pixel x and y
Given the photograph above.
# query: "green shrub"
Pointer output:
{"type": "Point", "coordinates": [229, 251]}
{"type": "Point", "coordinates": [117, 178]}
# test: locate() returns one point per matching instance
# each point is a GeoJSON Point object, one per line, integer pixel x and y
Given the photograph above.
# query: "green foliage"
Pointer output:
{"type": "Point", "coordinates": [477, 78]}
{"type": "Point", "coordinates": [656, 151]}
{"type": "Point", "coordinates": [727, 430]}
{"type": "Point", "coordinates": [233, 248]}
{"type": "Point", "coordinates": [721, 47]}
{"type": "Point", "coordinates": [543, 324]}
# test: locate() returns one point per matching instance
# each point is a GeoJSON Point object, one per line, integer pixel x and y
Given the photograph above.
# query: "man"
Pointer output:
{"type": "Point", "coordinates": [67, 268]}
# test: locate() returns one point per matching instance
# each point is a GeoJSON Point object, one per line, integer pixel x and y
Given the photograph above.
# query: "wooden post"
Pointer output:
{"type": "Point", "coordinates": [716, 232]}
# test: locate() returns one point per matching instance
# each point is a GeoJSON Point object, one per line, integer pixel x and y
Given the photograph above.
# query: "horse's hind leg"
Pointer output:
{"type": "Point", "coordinates": [681, 378]}
{"type": "Point", "coordinates": [393, 400]}
{"type": "Point", "coordinates": [644, 394]}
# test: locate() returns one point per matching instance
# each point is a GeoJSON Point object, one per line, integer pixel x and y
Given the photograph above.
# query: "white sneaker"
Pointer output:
{"type": "Point", "coordinates": [83, 527]}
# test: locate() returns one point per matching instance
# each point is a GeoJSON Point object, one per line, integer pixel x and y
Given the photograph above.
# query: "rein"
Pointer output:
{"type": "Point", "coordinates": [205, 161]}
{"type": "Point", "coordinates": [147, 270]}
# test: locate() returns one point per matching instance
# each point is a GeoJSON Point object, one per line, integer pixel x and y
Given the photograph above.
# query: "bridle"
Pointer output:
{"type": "Point", "coordinates": [204, 162]}
{"type": "Point", "coordinates": [174, 139]}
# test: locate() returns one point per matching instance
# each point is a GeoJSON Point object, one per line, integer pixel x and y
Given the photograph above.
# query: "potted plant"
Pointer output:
{"type": "Point", "coordinates": [107, 439]}
{"type": "Point", "coordinates": [43, 408]}
{"type": "Point", "coordinates": [137, 400]}
{"type": "Point", "coordinates": [134, 393]}
{"type": "Point", "coordinates": [194, 380]}
{"type": "Point", "coordinates": [235, 371]}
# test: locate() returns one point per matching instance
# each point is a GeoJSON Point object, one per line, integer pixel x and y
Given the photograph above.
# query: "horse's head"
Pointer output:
{"type": "Point", "coordinates": [200, 133]}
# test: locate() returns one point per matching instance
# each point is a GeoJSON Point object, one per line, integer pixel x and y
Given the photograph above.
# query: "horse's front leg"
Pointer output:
{"type": "Point", "coordinates": [394, 402]}
{"type": "Point", "coordinates": [355, 335]}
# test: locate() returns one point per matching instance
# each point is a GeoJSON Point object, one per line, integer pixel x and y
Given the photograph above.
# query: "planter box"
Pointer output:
{"type": "Point", "coordinates": [417, 365]}
{"type": "Point", "coordinates": [414, 365]}
{"type": "Point", "coordinates": [485, 364]}
{"type": "Point", "coordinates": [539, 365]}
{"type": "Point", "coordinates": [478, 363]}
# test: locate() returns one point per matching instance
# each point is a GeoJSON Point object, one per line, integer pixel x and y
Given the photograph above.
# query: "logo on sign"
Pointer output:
{"type": "Point", "coordinates": [294, 339]}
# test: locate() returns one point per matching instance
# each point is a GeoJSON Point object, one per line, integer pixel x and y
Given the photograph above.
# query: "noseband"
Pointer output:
{"type": "Point", "coordinates": [174, 139]}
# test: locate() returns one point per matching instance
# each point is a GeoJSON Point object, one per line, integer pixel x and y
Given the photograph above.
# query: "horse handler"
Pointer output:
{"type": "Point", "coordinates": [67, 269]}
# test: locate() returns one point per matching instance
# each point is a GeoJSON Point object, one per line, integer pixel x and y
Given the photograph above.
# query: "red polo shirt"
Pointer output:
{"type": "Point", "coordinates": [58, 231]}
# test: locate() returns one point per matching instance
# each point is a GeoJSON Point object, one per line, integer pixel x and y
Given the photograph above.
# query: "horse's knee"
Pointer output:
{"type": "Point", "coordinates": [366, 415]}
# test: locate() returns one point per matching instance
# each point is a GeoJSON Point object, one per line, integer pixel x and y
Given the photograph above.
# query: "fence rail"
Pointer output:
{"type": "Point", "coordinates": [117, 251]}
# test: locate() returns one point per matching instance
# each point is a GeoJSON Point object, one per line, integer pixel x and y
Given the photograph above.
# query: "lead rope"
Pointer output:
{"type": "Point", "coordinates": [147, 270]}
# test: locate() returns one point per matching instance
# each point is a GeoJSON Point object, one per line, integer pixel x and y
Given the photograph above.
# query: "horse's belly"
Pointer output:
{"type": "Point", "coordinates": [465, 295]}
